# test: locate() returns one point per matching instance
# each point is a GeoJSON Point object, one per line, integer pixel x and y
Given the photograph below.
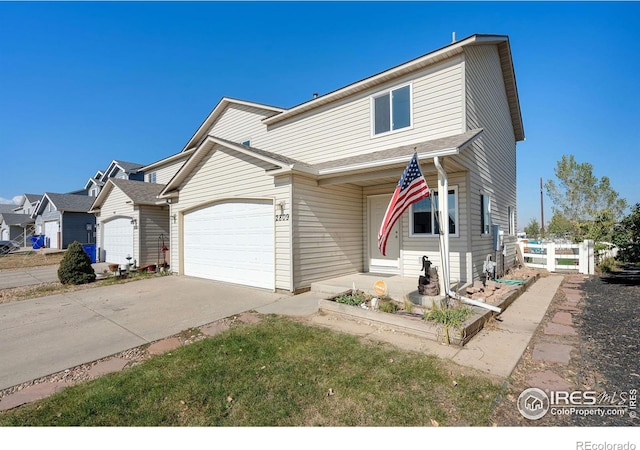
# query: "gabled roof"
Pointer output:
{"type": "Point", "coordinates": [15, 219]}
{"type": "Point", "coordinates": [33, 197]}
{"type": "Point", "coordinates": [421, 62]}
{"type": "Point", "coordinates": [95, 181]}
{"type": "Point", "coordinates": [65, 202]}
{"type": "Point", "coordinates": [449, 145]}
{"type": "Point", "coordinates": [170, 159]}
{"type": "Point", "coordinates": [278, 161]}
{"type": "Point", "coordinates": [127, 167]}
{"type": "Point", "coordinates": [139, 192]}
{"type": "Point", "coordinates": [8, 207]}
{"type": "Point", "coordinates": [217, 111]}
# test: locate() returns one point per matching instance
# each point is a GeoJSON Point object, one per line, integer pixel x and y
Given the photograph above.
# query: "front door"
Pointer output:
{"type": "Point", "coordinates": [390, 263]}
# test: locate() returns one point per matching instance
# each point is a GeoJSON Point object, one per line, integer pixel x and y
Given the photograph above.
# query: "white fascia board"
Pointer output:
{"type": "Point", "coordinates": [167, 160]}
{"type": "Point", "coordinates": [387, 162]}
{"type": "Point", "coordinates": [394, 72]}
{"type": "Point", "coordinates": [217, 110]}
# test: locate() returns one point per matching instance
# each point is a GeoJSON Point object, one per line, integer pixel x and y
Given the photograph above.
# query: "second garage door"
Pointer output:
{"type": "Point", "coordinates": [117, 240]}
{"type": "Point", "coordinates": [231, 241]}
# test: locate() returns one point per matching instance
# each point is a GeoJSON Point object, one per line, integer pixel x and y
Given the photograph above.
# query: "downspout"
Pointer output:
{"type": "Point", "coordinates": [443, 206]}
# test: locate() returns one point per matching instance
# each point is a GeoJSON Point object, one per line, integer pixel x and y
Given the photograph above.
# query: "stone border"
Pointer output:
{"type": "Point", "coordinates": [418, 327]}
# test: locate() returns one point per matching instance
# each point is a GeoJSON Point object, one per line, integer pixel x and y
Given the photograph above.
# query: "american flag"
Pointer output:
{"type": "Point", "coordinates": [411, 188]}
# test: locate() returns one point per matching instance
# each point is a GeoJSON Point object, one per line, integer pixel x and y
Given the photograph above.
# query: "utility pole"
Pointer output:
{"type": "Point", "coordinates": [541, 210]}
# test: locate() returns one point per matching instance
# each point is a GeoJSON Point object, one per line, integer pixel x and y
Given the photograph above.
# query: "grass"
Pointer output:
{"type": "Point", "coordinates": [275, 373]}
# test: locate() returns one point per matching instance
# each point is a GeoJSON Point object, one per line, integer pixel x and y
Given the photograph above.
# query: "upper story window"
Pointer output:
{"type": "Point", "coordinates": [423, 222]}
{"type": "Point", "coordinates": [152, 177]}
{"type": "Point", "coordinates": [391, 110]}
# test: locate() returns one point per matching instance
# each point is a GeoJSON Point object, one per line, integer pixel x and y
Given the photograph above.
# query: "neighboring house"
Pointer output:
{"type": "Point", "coordinates": [280, 198]}
{"type": "Point", "coordinates": [16, 227]}
{"type": "Point", "coordinates": [16, 223]}
{"type": "Point", "coordinates": [64, 218]}
{"type": "Point", "coordinates": [131, 222]}
{"type": "Point", "coordinates": [117, 169]}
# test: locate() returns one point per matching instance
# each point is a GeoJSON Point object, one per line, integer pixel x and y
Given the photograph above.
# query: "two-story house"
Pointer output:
{"type": "Point", "coordinates": [117, 169]}
{"type": "Point", "coordinates": [280, 198]}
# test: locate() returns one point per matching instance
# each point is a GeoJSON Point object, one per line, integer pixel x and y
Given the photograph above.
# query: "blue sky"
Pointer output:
{"type": "Point", "coordinates": [82, 83]}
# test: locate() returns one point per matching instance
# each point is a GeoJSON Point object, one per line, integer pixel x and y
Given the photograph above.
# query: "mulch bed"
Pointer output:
{"type": "Point", "coordinates": [610, 340]}
{"type": "Point", "coordinates": [604, 356]}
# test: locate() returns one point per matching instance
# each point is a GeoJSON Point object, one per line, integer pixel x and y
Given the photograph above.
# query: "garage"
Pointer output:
{"type": "Point", "coordinates": [231, 241]}
{"type": "Point", "coordinates": [51, 230]}
{"type": "Point", "coordinates": [117, 240]}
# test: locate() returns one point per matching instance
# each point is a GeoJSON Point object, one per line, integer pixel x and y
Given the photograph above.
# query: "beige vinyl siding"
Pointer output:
{"type": "Point", "coordinates": [224, 174]}
{"type": "Point", "coordinates": [414, 247]}
{"type": "Point", "coordinates": [165, 173]}
{"type": "Point", "coordinates": [491, 159]}
{"type": "Point", "coordinates": [153, 221]}
{"type": "Point", "coordinates": [343, 128]}
{"type": "Point", "coordinates": [327, 231]}
{"type": "Point", "coordinates": [115, 205]}
{"type": "Point", "coordinates": [239, 123]}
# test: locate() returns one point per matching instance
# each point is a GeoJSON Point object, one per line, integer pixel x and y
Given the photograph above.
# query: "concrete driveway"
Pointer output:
{"type": "Point", "coordinates": [46, 335]}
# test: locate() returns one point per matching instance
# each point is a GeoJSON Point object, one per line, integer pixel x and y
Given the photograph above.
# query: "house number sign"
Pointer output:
{"type": "Point", "coordinates": [282, 217]}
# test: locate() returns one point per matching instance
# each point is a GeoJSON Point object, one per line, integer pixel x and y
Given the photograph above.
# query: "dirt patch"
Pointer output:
{"type": "Point", "coordinates": [34, 258]}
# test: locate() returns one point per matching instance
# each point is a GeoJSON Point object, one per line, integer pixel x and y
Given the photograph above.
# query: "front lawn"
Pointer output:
{"type": "Point", "coordinates": [275, 373]}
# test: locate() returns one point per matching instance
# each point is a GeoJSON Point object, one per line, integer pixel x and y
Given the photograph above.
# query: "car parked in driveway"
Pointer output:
{"type": "Point", "coordinates": [7, 246]}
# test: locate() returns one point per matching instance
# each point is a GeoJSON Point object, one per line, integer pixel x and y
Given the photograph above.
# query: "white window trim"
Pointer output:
{"type": "Point", "coordinates": [486, 194]}
{"type": "Point", "coordinates": [512, 220]}
{"type": "Point", "coordinates": [372, 110]}
{"type": "Point", "coordinates": [153, 177]}
{"type": "Point", "coordinates": [453, 188]}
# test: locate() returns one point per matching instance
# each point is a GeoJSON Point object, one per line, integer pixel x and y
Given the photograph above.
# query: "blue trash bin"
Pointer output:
{"type": "Point", "coordinates": [90, 249]}
{"type": "Point", "coordinates": [37, 241]}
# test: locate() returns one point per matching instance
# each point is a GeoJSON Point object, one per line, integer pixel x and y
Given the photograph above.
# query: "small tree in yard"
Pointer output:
{"type": "Point", "coordinates": [627, 236]}
{"type": "Point", "coordinates": [75, 267]}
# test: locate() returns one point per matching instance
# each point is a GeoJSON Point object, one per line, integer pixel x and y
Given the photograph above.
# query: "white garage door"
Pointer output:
{"type": "Point", "coordinates": [231, 241]}
{"type": "Point", "coordinates": [51, 233]}
{"type": "Point", "coordinates": [117, 240]}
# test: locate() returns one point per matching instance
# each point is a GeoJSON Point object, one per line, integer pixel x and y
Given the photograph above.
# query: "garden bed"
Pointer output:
{"type": "Point", "coordinates": [412, 321]}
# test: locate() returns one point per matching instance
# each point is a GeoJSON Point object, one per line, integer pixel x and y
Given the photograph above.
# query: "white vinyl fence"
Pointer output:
{"type": "Point", "coordinates": [555, 257]}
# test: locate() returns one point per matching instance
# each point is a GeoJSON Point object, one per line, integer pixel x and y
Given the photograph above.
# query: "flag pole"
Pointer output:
{"type": "Point", "coordinates": [443, 212]}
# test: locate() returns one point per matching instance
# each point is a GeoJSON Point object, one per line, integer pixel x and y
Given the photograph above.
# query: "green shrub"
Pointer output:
{"type": "Point", "coordinates": [353, 299]}
{"type": "Point", "coordinates": [388, 306]}
{"type": "Point", "coordinates": [75, 267]}
{"type": "Point", "coordinates": [607, 265]}
{"type": "Point", "coordinates": [448, 317]}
